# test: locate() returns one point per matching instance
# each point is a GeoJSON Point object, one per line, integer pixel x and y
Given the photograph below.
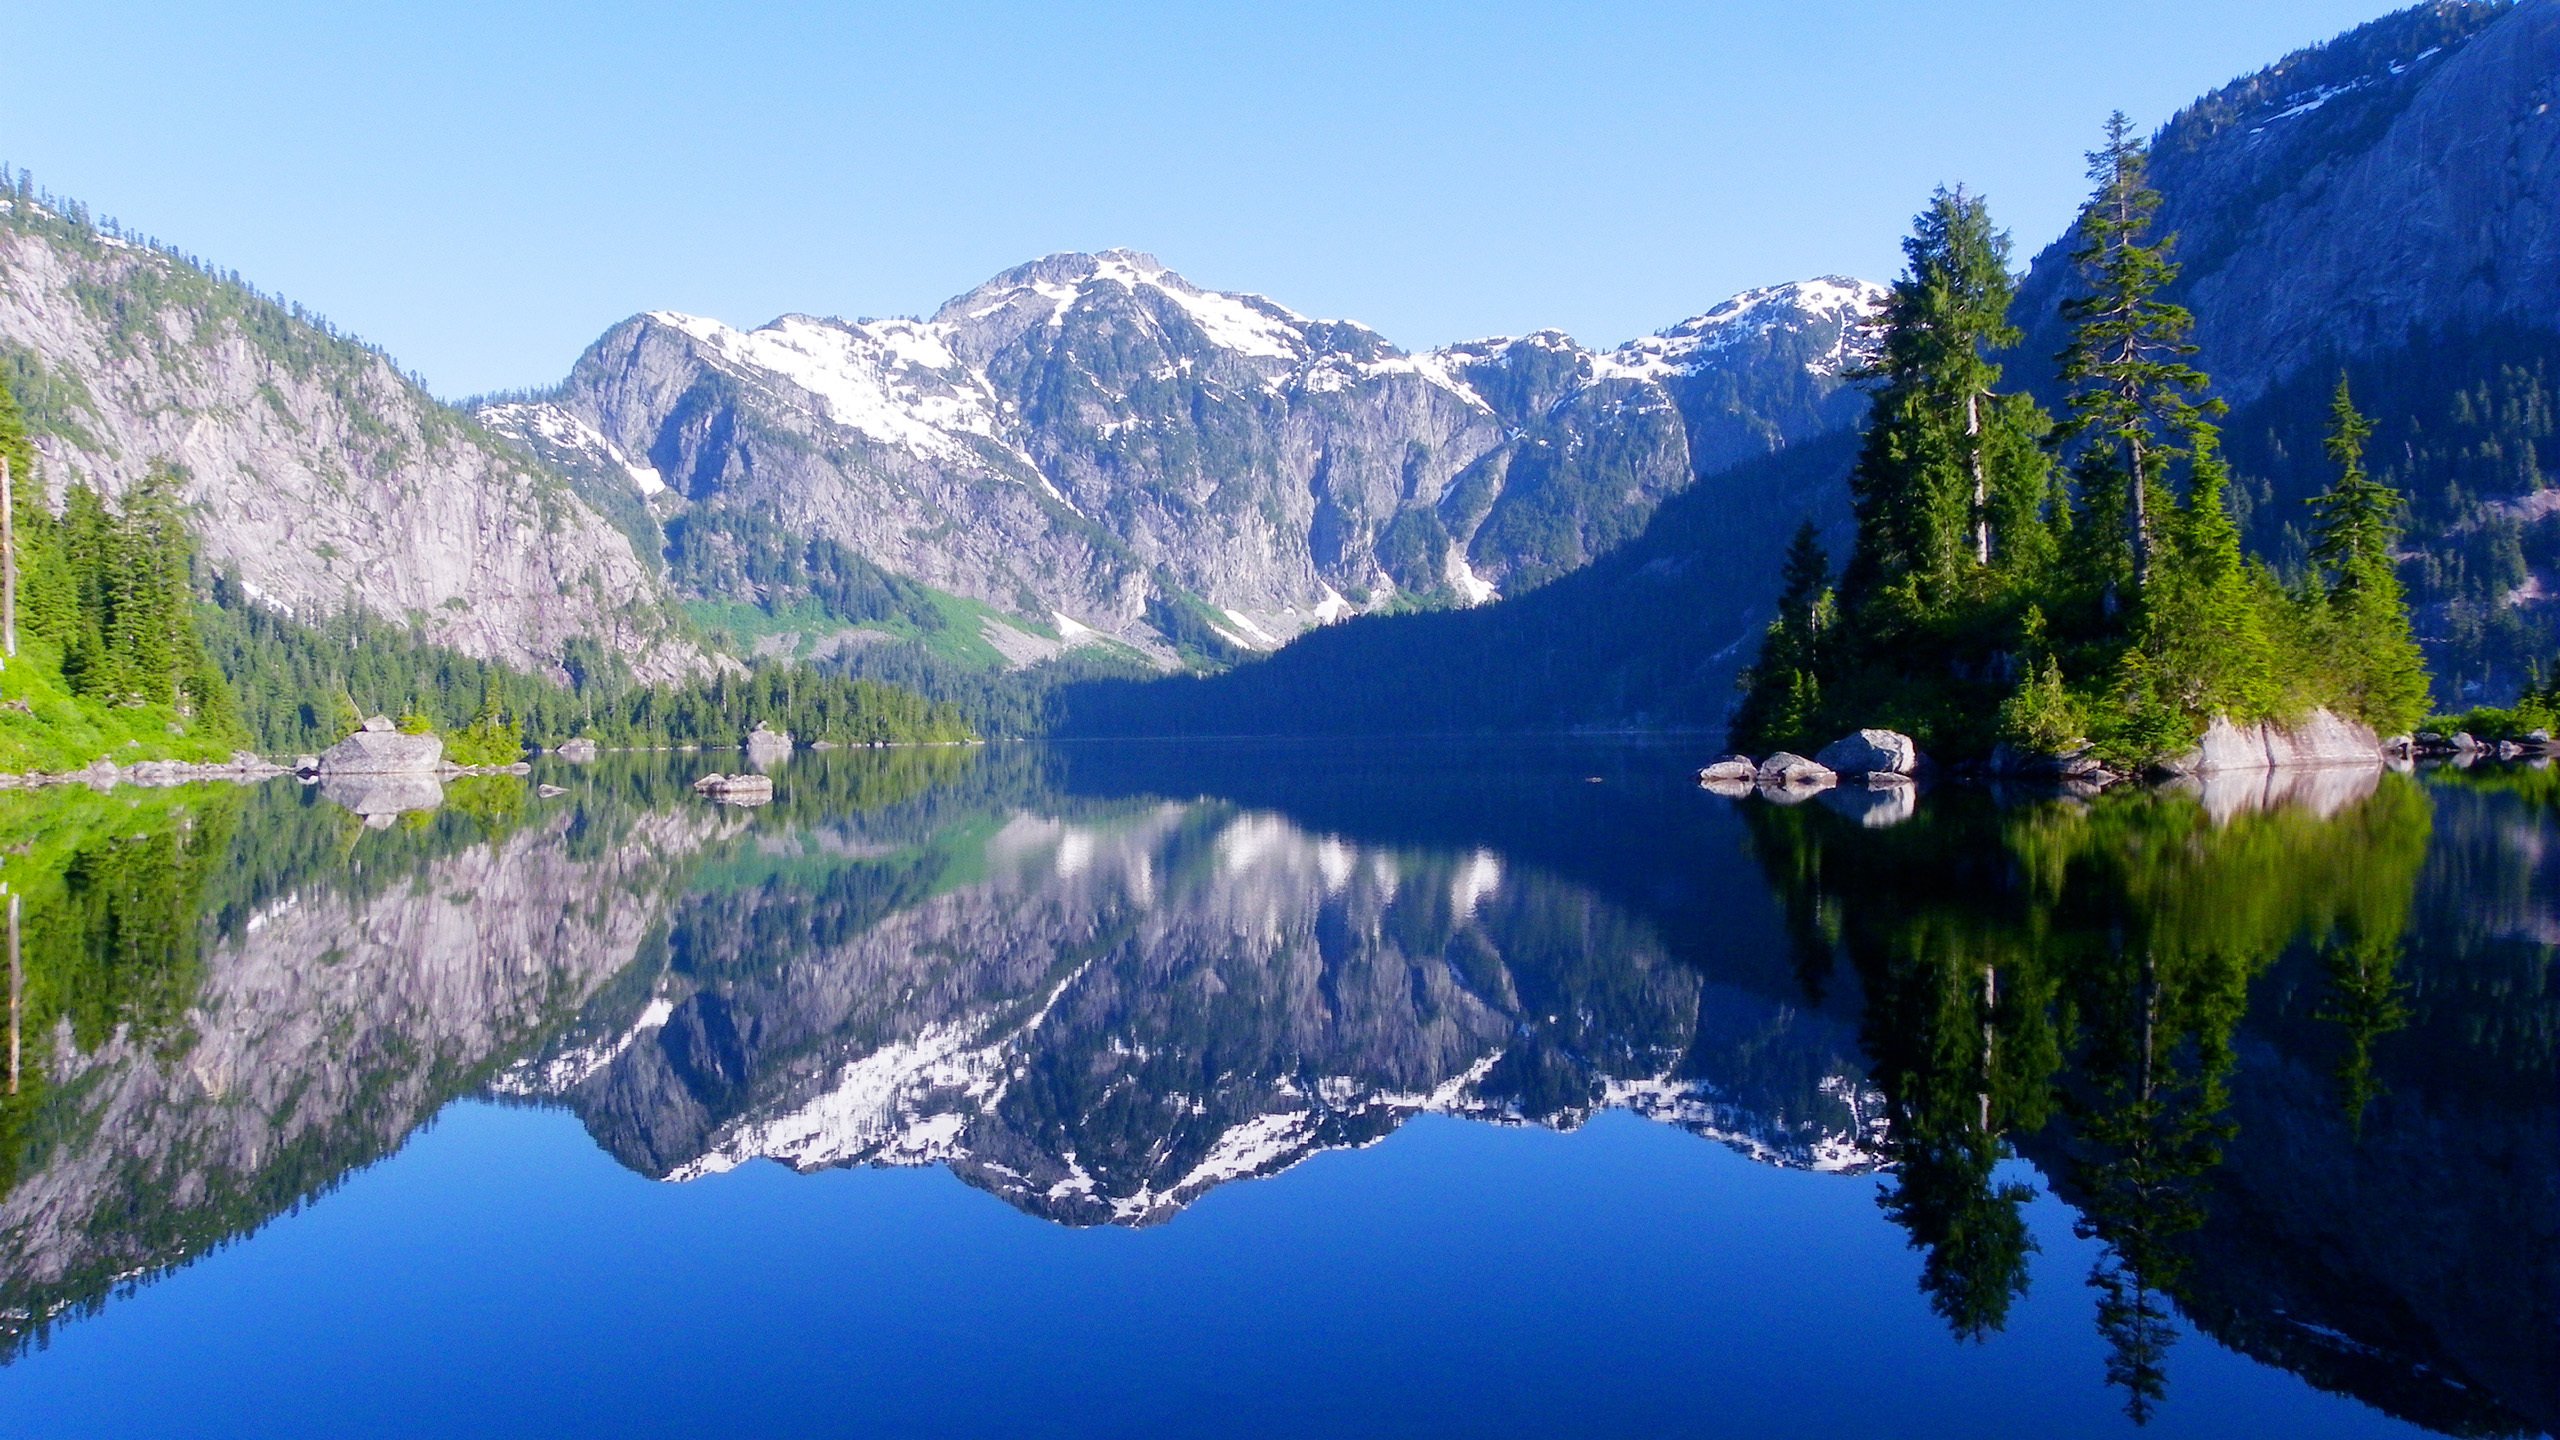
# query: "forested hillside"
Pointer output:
{"type": "Point", "coordinates": [2386, 205]}
{"type": "Point", "coordinates": [1650, 636]}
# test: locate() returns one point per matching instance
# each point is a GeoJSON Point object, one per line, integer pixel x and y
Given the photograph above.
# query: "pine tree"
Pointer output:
{"type": "Point", "coordinates": [2354, 527]}
{"type": "Point", "coordinates": [1782, 691]}
{"type": "Point", "coordinates": [150, 628]}
{"type": "Point", "coordinates": [2200, 645]}
{"type": "Point", "coordinates": [90, 559]}
{"type": "Point", "coordinates": [2132, 406]}
{"type": "Point", "coordinates": [1943, 481]}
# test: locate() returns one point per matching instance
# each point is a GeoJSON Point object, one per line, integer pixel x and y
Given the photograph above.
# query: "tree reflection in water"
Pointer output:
{"type": "Point", "coordinates": [2067, 977]}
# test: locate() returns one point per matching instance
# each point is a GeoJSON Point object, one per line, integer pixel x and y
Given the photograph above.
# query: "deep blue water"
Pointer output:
{"type": "Point", "coordinates": [502, 1276]}
{"type": "Point", "coordinates": [1163, 952]}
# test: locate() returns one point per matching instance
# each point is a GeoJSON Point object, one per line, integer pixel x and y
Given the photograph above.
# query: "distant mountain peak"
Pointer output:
{"type": "Point", "coordinates": [1046, 290]}
{"type": "Point", "coordinates": [1843, 304]}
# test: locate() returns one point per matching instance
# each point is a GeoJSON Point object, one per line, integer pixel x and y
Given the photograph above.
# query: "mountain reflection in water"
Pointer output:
{"type": "Point", "coordinates": [2287, 1051]}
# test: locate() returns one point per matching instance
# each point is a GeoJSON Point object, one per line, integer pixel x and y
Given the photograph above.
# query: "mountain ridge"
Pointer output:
{"type": "Point", "coordinates": [313, 467]}
{"type": "Point", "coordinates": [1090, 442]}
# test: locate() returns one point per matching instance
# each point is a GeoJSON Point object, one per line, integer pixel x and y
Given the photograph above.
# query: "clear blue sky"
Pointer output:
{"type": "Point", "coordinates": [483, 189]}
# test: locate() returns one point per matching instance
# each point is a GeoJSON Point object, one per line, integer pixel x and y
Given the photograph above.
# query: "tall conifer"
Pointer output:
{"type": "Point", "coordinates": [2133, 413]}
{"type": "Point", "coordinates": [1782, 692]}
{"type": "Point", "coordinates": [2355, 525]}
{"type": "Point", "coordinates": [1941, 470]}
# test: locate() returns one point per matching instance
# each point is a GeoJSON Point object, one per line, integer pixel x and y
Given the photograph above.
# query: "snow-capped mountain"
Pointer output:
{"type": "Point", "coordinates": [1092, 441]}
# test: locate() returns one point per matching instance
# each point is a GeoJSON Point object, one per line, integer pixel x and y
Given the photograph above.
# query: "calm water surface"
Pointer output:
{"type": "Point", "coordinates": [1426, 1090]}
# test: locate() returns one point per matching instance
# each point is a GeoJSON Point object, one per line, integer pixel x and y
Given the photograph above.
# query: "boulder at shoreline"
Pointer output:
{"type": "Point", "coordinates": [1728, 768]}
{"type": "Point", "coordinates": [380, 749]}
{"type": "Point", "coordinates": [1786, 771]}
{"type": "Point", "coordinates": [1871, 752]}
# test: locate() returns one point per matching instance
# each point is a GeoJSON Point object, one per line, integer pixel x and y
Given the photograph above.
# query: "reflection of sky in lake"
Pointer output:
{"type": "Point", "coordinates": [1446, 1093]}
{"type": "Point", "coordinates": [502, 1277]}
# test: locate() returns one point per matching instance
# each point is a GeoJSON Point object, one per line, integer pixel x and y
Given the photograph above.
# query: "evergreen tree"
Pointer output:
{"type": "Point", "coordinates": [1783, 689]}
{"type": "Point", "coordinates": [2355, 525]}
{"type": "Point", "coordinates": [150, 600]}
{"type": "Point", "coordinates": [1983, 608]}
{"type": "Point", "coordinates": [89, 553]}
{"type": "Point", "coordinates": [2200, 645]}
{"type": "Point", "coordinates": [1944, 479]}
{"type": "Point", "coordinates": [2132, 408]}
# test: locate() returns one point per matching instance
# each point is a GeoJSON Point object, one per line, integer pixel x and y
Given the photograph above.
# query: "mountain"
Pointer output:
{"type": "Point", "coordinates": [1650, 636]}
{"type": "Point", "coordinates": [2387, 204]}
{"type": "Point", "coordinates": [2399, 180]}
{"type": "Point", "coordinates": [1090, 448]}
{"type": "Point", "coordinates": [313, 468]}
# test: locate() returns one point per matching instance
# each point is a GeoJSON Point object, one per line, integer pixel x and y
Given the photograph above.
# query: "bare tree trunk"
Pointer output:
{"type": "Point", "coordinates": [2141, 521]}
{"type": "Point", "coordinates": [17, 993]}
{"type": "Point", "coordinates": [8, 566]}
{"type": "Point", "coordinates": [1981, 482]}
{"type": "Point", "coordinates": [1990, 1003]}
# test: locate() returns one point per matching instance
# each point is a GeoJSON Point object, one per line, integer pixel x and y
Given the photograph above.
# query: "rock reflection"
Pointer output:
{"type": "Point", "coordinates": [382, 799]}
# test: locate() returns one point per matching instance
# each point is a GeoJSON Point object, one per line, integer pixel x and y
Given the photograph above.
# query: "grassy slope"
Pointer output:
{"type": "Point", "coordinates": [960, 640]}
{"type": "Point", "coordinates": [62, 731]}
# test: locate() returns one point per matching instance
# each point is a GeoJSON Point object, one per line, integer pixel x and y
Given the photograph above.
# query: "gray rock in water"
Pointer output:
{"type": "Point", "coordinates": [380, 749]}
{"type": "Point", "coordinates": [1870, 752]}
{"type": "Point", "coordinates": [579, 751]}
{"type": "Point", "coordinates": [1730, 768]}
{"type": "Point", "coordinates": [735, 789]}
{"type": "Point", "coordinates": [1785, 771]}
{"type": "Point", "coordinates": [767, 748]}
{"type": "Point", "coordinates": [2464, 742]}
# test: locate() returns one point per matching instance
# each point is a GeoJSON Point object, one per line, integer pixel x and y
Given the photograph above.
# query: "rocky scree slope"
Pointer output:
{"type": "Point", "coordinates": [313, 468]}
{"type": "Point", "coordinates": [1099, 447]}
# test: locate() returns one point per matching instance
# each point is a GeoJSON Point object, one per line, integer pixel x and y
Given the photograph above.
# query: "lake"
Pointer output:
{"type": "Point", "coordinates": [1409, 1089]}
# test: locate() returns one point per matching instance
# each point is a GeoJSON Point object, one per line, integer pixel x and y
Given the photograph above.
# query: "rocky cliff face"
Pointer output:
{"type": "Point", "coordinates": [313, 467]}
{"type": "Point", "coordinates": [1091, 441]}
{"type": "Point", "coordinates": [1129, 1010]}
{"type": "Point", "coordinates": [2401, 179]}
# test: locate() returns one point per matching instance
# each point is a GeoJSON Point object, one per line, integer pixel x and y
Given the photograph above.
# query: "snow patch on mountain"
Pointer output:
{"type": "Point", "coordinates": [558, 428]}
{"type": "Point", "coordinates": [895, 381]}
{"type": "Point", "coordinates": [1831, 300]}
